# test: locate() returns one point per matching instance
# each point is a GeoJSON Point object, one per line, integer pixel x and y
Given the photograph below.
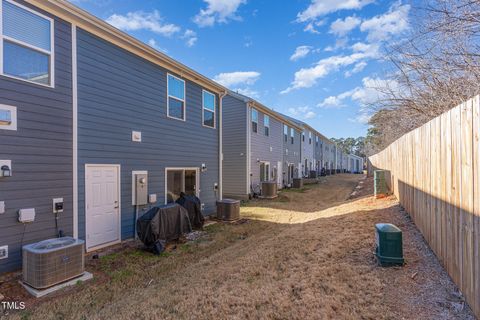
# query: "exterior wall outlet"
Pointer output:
{"type": "Point", "coordinates": [7, 163]}
{"type": "Point", "coordinates": [152, 198]}
{"type": "Point", "coordinates": [3, 252]}
{"type": "Point", "coordinates": [58, 205]}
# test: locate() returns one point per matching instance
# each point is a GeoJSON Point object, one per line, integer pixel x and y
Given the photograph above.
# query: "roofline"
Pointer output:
{"type": "Point", "coordinates": [81, 18]}
{"type": "Point", "coordinates": [264, 108]}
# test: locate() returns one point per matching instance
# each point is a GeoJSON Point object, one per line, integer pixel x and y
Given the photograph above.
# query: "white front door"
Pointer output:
{"type": "Point", "coordinates": [102, 207]}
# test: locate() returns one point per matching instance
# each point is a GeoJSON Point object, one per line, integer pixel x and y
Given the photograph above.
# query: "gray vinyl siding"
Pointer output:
{"type": "Point", "coordinates": [265, 148]}
{"type": "Point", "coordinates": [40, 151]}
{"type": "Point", "coordinates": [234, 148]}
{"type": "Point", "coordinates": [294, 151]}
{"type": "Point", "coordinates": [118, 93]}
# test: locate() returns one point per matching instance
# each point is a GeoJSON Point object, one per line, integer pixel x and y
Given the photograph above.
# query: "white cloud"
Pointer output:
{"type": "Point", "coordinates": [300, 52]}
{"type": "Point", "coordinates": [311, 26]}
{"type": "Point", "coordinates": [153, 43]}
{"type": "Point", "coordinates": [229, 79]}
{"type": "Point", "coordinates": [356, 69]}
{"type": "Point", "coordinates": [341, 27]}
{"type": "Point", "coordinates": [319, 8]}
{"type": "Point", "coordinates": [218, 11]}
{"type": "Point", "coordinates": [190, 37]}
{"type": "Point", "coordinates": [140, 20]}
{"type": "Point", "coordinates": [304, 113]}
{"type": "Point", "coordinates": [370, 92]}
{"type": "Point", "coordinates": [383, 27]}
{"type": "Point", "coordinates": [248, 92]}
{"type": "Point", "coordinates": [307, 77]}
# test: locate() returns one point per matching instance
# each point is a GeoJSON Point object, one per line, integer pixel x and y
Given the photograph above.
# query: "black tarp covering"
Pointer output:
{"type": "Point", "coordinates": [161, 224]}
{"type": "Point", "coordinates": [194, 207]}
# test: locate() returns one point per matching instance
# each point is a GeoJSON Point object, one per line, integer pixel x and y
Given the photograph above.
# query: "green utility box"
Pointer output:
{"type": "Point", "coordinates": [389, 250]}
{"type": "Point", "coordinates": [380, 184]}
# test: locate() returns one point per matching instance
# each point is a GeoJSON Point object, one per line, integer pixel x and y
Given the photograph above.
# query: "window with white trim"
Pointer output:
{"type": "Point", "coordinates": [285, 132]}
{"type": "Point", "coordinates": [208, 109]}
{"type": "Point", "coordinates": [303, 136]}
{"type": "Point", "coordinates": [27, 44]}
{"type": "Point", "coordinates": [310, 137]}
{"type": "Point", "coordinates": [266, 124]}
{"type": "Point", "coordinates": [176, 97]}
{"type": "Point", "coordinates": [254, 120]}
{"type": "Point", "coordinates": [316, 141]}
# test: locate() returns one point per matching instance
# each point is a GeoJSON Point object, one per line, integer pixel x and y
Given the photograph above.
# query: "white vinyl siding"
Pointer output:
{"type": "Point", "coordinates": [26, 44]}
{"type": "Point", "coordinates": [208, 116]}
{"type": "Point", "coordinates": [176, 97]}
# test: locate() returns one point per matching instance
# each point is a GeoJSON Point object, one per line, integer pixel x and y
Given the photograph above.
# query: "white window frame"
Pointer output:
{"type": "Point", "coordinates": [184, 99]}
{"type": "Point", "coordinates": [214, 109]}
{"type": "Point", "coordinates": [265, 163]}
{"type": "Point", "coordinates": [50, 53]}
{"type": "Point", "coordinates": [183, 169]}
{"type": "Point", "coordinates": [251, 127]}
{"type": "Point", "coordinates": [265, 125]}
{"type": "Point", "coordinates": [292, 136]}
{"type": "Point", "coordinates": [310, 137]}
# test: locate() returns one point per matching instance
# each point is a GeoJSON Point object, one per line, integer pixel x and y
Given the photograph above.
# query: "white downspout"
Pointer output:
{"type": "Point", "coordinates": [220, 149]}
{"type": "Point", "coordinates": [74, 132]}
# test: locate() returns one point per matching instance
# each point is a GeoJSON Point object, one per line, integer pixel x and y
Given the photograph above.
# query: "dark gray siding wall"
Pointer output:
{"type": "Point", "coordinates": [119, 93]}
{"type": "Point", "coordinates": [265, 148]}
{"type": "Point", "coordinates": [292, 152]}
{"type": "Point", "coordinates": [41, 153]}
{"type": "Point", "coordinates": [234, 148]}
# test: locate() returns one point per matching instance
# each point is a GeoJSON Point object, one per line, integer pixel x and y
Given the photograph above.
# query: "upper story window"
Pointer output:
{"type": "Point", "coordinates": [27, 44]}
{"type": "Point", "coordinates": [208, 109]}
{"type": "Point", "coordinates": [292, 135]}
{"type": "Point", "coordinates": [266, 123]}
{"type": "Point", "coordinates": [310, 137]}
{"type": "Point", "coordinates": [254, 120]}
{"type": "Point", "coordinates": [285, 133]}
{"type": "Point", "coordinates": [176, 97]}
{"type": "Point", "coordinates": [316, 141]}
{"type": "Point", "coordinates": [303, 136]}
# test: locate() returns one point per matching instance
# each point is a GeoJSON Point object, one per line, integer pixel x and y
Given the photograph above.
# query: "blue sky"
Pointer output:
{"type": "Point", "coordinates": [316, 60]}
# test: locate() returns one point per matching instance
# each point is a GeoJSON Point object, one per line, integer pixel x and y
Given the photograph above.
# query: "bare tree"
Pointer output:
{"type": "Point", "coordinates": [434, 69]}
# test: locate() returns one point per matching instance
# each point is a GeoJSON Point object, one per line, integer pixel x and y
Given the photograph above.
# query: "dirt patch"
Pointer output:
{"type": "Point", "coordinates": [307, 257]}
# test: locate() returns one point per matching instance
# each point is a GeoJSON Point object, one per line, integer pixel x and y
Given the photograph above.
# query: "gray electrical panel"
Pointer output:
{"type": "Point", "coordinates": [141, 189]}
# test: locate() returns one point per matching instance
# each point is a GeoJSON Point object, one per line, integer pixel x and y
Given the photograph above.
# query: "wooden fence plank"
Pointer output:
{"type": "Point", "coordinates": [435, 174]}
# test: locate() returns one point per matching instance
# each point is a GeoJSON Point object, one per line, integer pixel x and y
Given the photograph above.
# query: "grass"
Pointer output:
{"type": "Point", "coordinates": [306, 258]}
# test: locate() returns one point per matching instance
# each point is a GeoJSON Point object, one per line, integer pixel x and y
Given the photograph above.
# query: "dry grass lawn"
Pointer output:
{"type": "Point", "coordinates": [305, 255]}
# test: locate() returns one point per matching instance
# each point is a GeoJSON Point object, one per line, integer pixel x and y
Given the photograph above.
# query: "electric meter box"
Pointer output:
{"type": "Point", "coordinates": [389, 242]}
{"type": "Point", "coordinates": [141, 189]}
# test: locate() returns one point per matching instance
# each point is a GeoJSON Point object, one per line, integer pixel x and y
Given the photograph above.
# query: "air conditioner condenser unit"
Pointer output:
{"type": "Point", "coordinates": [50, 262]}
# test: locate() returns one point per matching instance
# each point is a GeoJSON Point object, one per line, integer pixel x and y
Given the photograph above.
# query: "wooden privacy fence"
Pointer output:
{"type": "Point", "coordinates": [434, 171]}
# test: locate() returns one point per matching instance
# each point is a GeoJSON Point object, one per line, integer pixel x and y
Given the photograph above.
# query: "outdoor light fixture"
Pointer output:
{"type": "Point", "coordinates": [6, 172]}
{"type": "Point", "coordinates": [204, 167]}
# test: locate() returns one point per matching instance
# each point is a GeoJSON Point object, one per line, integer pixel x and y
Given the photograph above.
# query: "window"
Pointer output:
{"type": "Point", "coordinates": [176, 98]}
{"type": "Point", "coordinates": [316, 141]}
{"type": "Point", "coordinates": [208, 109]}
{"type": "Point", "coordinates": [285, 133]}
{"type": "Point", "coordinates": [254, 120]}
{"type": "Point", "coordinates": [27, 44]}
{"type": "Point", "coordinates": [292, 135]}
{"type": "Point", "coordinates": [310, 138]}
{"type": "Point", "coordinates": [266, 123]}
{"type": "Point", "coordinates": [303, 136]}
